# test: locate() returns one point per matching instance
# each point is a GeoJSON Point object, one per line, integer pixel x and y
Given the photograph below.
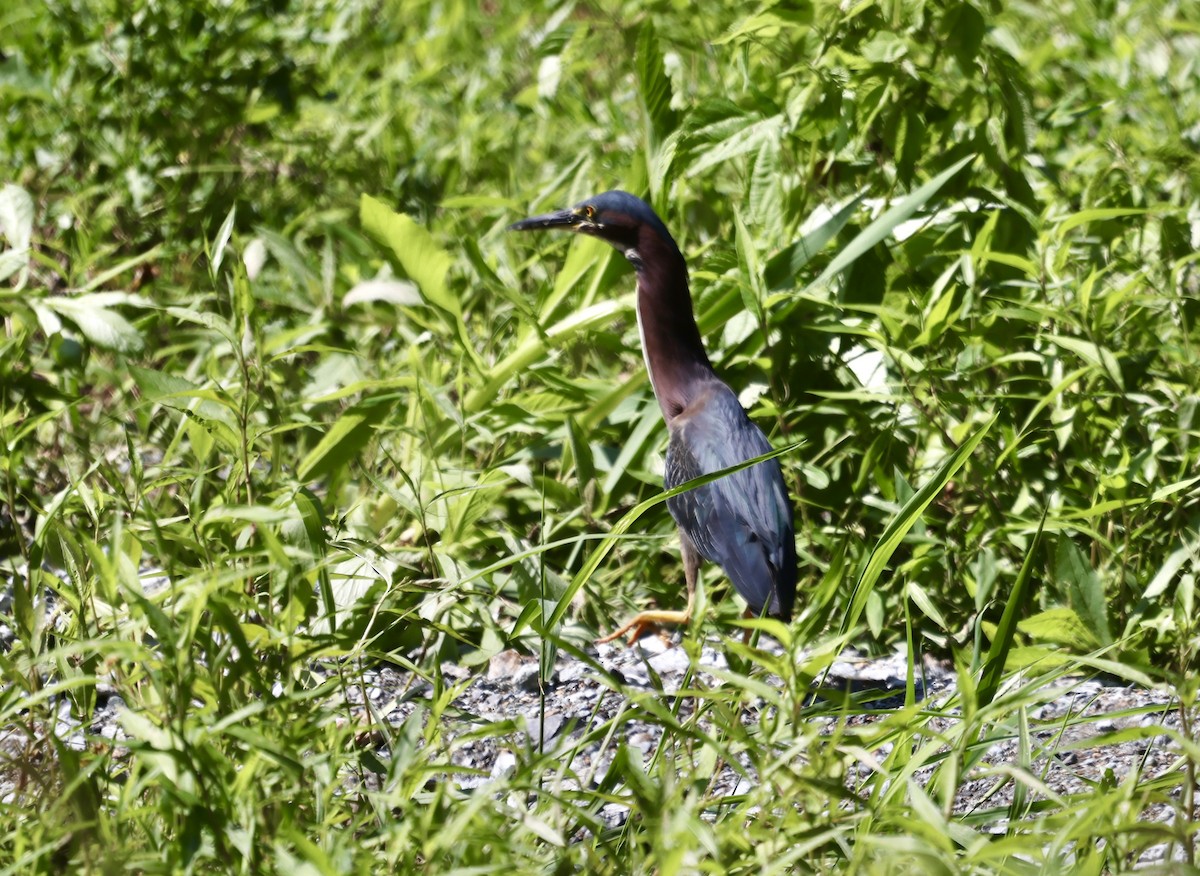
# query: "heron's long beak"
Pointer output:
{"type": "Point", "coordinates": [567, 219]}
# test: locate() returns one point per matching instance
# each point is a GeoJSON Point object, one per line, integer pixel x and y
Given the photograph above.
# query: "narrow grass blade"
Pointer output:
{"type": "Point", "coordinates": [905, 520]}
{"type": "Point", "coordinates": [993, 664]}
{"type": "Point", "coordinates": [783, 267]}
{"type": "Point", "coordinates": [882, 227]}
{"type": "Point", "coordinates": [534, 347]}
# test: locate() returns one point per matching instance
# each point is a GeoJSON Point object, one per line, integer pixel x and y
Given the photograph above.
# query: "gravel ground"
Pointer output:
{"type": "Point", "coordinates": [1084, 732]}
{"type": "Point", "coordinates": [1123, 730]}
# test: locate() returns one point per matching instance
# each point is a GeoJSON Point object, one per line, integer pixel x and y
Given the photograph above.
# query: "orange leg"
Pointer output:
{"type": "Point", "coordinates": [642, 621]}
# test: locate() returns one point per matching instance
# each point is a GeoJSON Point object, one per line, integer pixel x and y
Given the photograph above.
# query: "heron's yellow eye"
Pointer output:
{"type": "Point", "coordinates": [589, 211]}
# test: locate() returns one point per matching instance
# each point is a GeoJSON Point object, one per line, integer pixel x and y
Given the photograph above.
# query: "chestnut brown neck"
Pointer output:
{"type": "Point", "coordinates": [671, 345]}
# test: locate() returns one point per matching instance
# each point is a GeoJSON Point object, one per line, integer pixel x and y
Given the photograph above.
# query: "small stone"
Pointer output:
{"type": "Point", "coordinates": [505, 763]}
{"type": "Point", "coordinates": [109, 731]}
{"type": "Point", "coordinates": [571, 671]}
{"type": "Point", "coordinates": [636, 676]}
{"type": "Point", "coordinates": [674, 660]}
{"type": "Point", "coordinates": [503, 667]}
{"type": "Point", "coordinates": [614, 814]}
{"type": "Point", "coordinates": [542, 730]}
{"type": "Point", "coordinates": [642, 740]}
{"type": "Point", "coordinates": [653, 644]}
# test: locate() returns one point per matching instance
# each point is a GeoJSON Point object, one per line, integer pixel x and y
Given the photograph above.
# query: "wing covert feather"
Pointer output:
{"type": "Point", "coordinates": [743, 521]}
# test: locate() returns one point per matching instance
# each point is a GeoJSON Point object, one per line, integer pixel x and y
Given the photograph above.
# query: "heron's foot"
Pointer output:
{"type": "Point", "coordinates": [643, 621]}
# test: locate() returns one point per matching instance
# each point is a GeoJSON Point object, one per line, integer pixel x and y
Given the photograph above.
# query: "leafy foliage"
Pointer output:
{"type": "Point", "coordinates": [265, 341]}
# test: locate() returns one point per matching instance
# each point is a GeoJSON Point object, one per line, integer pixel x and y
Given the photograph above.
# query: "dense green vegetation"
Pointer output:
{"type": "Point", "coordinates": [265, 338]}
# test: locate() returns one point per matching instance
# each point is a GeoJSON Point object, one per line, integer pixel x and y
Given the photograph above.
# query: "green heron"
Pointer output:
{"type": "Point", "coordinates": [742, 521]}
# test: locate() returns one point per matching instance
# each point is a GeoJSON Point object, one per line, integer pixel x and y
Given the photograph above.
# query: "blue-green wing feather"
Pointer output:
{"type": "Point", "coordinates": [743, 521]}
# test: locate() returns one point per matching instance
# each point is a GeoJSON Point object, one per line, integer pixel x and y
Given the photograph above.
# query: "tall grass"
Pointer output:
{"type": "Point", "coordinates": [281, 404]}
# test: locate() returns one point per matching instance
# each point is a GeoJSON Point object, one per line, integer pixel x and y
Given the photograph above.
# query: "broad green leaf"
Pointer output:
{"type": "Point", "coordinates": [746, 138]}
{"type": "Point", "coordinates": [938, 319]}
{"type": "Point", "coordinates": [1022, 264]}
{"type": "Point", "coordinates": [158, 385]}
{"type": "Point", "coordinates": [583, 256]}
{"type": "Point", "coordinates": [422, 259]}
{"type": "Point", "coordinates": [223, 235]}
{"type": "Point", "coordinates": [1084, 587]}
{"type": "Point", "coordinates": [654, 87]}
{"type": "Point", "coordinates": [783, 267]}
{"type": "Point", "coordinates": [16, 227]}
{"type": "Point", "coordinates": [1098, 214]}
{"type": "Point", "coordinates": [762, 26]}
{"type": "Point", "coordinates": [534, 347]}
{"type": "Point", "coordinates": [766, 196]}
{"type": "Point", "coordinates": [258, 514]}
{"type": "Point", "coordinates": [16, 217]}
{"type": "Point", "coordinates": [1050, 398]}
{"type": "Point", "coordinates": [751, 285]}
{"type": "Point", "coordinates": [345, 439]}
{"type": "Point", "coordinates": [1188, 554]}
{"type": "Point", "coordinates": [883, 227]}
{"type": "Point", "coordinates": [141, 728]}
{"type": "Point", "coordinates": [1059, 626]}
{"type": "Point", "coordinates": [659, 169]}
{"type": "Point", "coordinates": [398, 292]}
{"type": "Point", "coordinates": [1093, 354]}
{"type": "Point", "coordinates": [921, 598]}
{"type": "Point", "coordinates": [12, 261]}
{"type": "Point", "coordinates": [103, 327]}
{"type": "Point", "coordinates": [581, 452]}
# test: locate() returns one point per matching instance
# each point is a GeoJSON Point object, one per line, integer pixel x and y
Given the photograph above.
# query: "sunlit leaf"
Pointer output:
{"type": "Point", "coordinates": [98, 323]}
{"type": "Point", "coordinates": [345, 439]}
{"type": "Point", "coordinates": [883, 227]}
{"type": "Point", "coordinates": [422, 259]}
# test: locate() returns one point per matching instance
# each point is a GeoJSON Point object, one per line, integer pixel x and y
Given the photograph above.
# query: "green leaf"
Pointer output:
{"type": "Point", "coordinates": [398, 292]}
{"type": "Point", "coordinates": [583, 256]}
{"type": "Point", "coordinates": [16, 227]}
{"type": "Point", "coordinates": [1084, 588]}
{"type": "Point", "coordinates": [1002, 642]}
{"type": "Point", "coordinates": [257, 514]}
{"type": "Point", "coordinates": [1093, 354]}
{"type": "Point", "coordinates": [1099, 214]}
{"type": "Point", "coordinates": [751, 285]}
{"type": "Point", "coordinates": [883, 227]}
{"type": "Point", "coordinates": [223, 235]}
{"type": "Point", "coordinates": [909, 514]}
{"type": "Point", "coordinates": [783, 267]}
{"type": "Point", "coordinates": [103, 327]}
{"type": "Point", "coordinates": [345, 439]}
{"type": "Point", "coordinates": [157, 385]}
{"type": "Point", "coordinates": [746, 138]}
{"type": "Point", "coordinates": [765, 195]}
{"type": "Point", "coordinates": [937, 320]}
{"type": "Point", "coordinates": [921, 598]}
{"type": "Point", "coordinates": [654, 87]}
{"type": "Point", "coordinates": [1059, 626]}
{"type": "Point", "coordinates": [581, 451]}
{"type": "Point", "coordinates": [534, 347]}
{"type": "Point", "coordinates": [422, 259]}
